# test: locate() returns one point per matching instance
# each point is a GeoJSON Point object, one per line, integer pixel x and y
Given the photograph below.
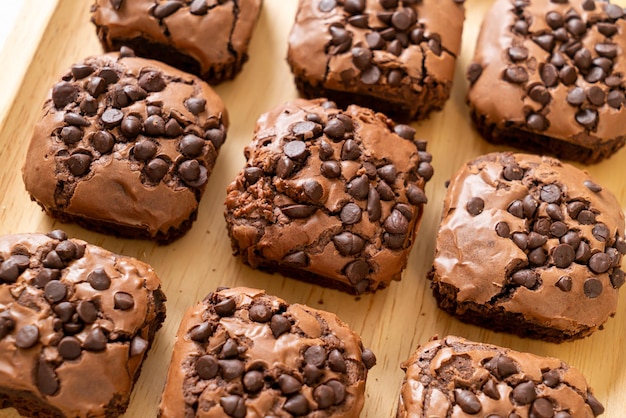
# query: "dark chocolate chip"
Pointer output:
{"type": "Point", "coordinates": [350, 150]}
{"type": "Point", "coordinates": [583, 252]}
{"type": "Point", "coordinates": [279, 325]}
{"type": "Point", "coordinates": [78, 164]}
{"type": "Point", "coordinates": [617, 278]}
{"type": "Point", "coordinates": [225, 307]}
{"type": "Point", "coordinates": [350, 214]}
{"type": "Point", "coordinates": [315, 355]}
{"type": "Point", "coordinates": [475, 206]}
{"type": "Point", "coordinates": [260, 313]}
{"type": "Point", "coordinates": [131, 126]}
{"type": "Point", "coordinates": [587, 117]}
{"type": "Point", "coordinates": [69, 348]}
{"type": "Point", "coordinates": [298, 259]}
{"type": "Point", "coordinates": [296, 405]}
{"type": "Point", "coordinates": [156, 169]}
{"type": "Point", "coordinates": [358, 187]}
{"type": "Point", "coordinates": [524, 393]}
{"type": "Point", "coordinates": [490, 388]}
{"type": "Point", "coordinates": [549, 75]}
{"type": "Point", "coordinates": [592, 288]}
{"type": "Point", "coordinates": [540, 94]}
{"type": "Point", "coordinates": [545, 41]}
{"type": "Point", "coordinates": [467, 401]}
{"type": "Point", "coordinates": [145, 150]}
{"type": "Point", "coordinates": [253, 381]}
{"type": "Point", "coordinates": [296, 150]}
{"type": "Point", "coordinates": [596, 95]}
{"type": "Point", "coordinates": [64, 93]}
{"type": "Point", "coordinates": [253, 174]}
{"type": "Point", "coordinates": [536, 240]}
{"type": "Point", "coordinates": [396, 223]}
{"type": "Point", "coordinates": [513, 172]}
{"type": "Point", "coordinates": [586, 217]}
{"type": "Point", "coordinates": [98, 279]}
{"type": "Point", "coordinates": [361, 57]}
{"type": "Point", "coordinates": [503, 230]}
{"type": "Point", "coordinates": [336, 361]}
{"type": "Point", "coordinates": [368, 357]}
{"type": "Point", "coordinates": [525, 277]}
{"type": "Point", "coordinates": [594, 187]}
{"type": "Point", "coordinates": [27, 336]}
{"type": "Point", "coordinates": [594, 404]}
{"type": "Point", "coordinates": [516, 209]}
{"type": "Point", "coordinates": [234, 406]}
{"type": "Point", "coordinates": [327, 5]}
{"type": "Point", "coordinates": [230, 349]}
{"type": "Point", "coordinates": [289, 384]}
{"type": "Point", "coordinates": [71, 135]}
{"type": "Point", "coordinates": [537, 122]}
{"type": "Point", "coordinates": [138, 346]}
{"type": "Point", "coordinates": [324, 395]}
{"type": "Point", "coordinates": [151, 81]}
{"type": "Point", "coordinates": [231, 369]}
{"type": "Point", "coordinates": [123, 301]}
{"type": "Point", "coordinates": [96, 340]}
{"type": "Point", "coordinates": [599, 263]}
{"type": "Point", "coordinates": [516, 74]}
{"type": "Point", "coordinates": [371, 75]}
{"type": "Point", "coordinates": [518, 53]}
{"type": "Point", "coordinates": [474, 71]}
{"type": "Point", "coordinates": [348, 243]}
{"type": "Point", "coordinates": [192, 173]}
{"type": "Point", "coordinates": [53, 261]}
{"type": "Point", "coordinates": [550, 193]}
{"type": "Point", "coordinates": [330, 169]}
{"type": "Point", "coordinates": [198, 7]}
{"type": "Point", "coordinates": [46, 379]}
{"type": "Point", "coordinates": [558, 229]}
{"type": "Point", "coordinates": [196, 105]}
{"type": "Point", "coordinates": [563, 255]}
{"type": "Point", "coordinates": [55, 291]}
{"type": "Point", "coordinates": [298, 211]}
{"type": "Point", "coordinates": [537, 257]}
{"type": "Point", "coordinates": [601, 232]}
{"type": "Point", "coordinates": [201, 332]}
{"type": "Point", "coordinates": [542, 408]}
{"type": "Point", "coordinates": [529, 205]}
{"type": "Point", "coordinates": [404, 131]}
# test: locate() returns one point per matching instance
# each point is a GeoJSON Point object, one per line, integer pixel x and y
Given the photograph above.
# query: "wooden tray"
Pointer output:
{"type": "Point", "coordinates": [51, 35]}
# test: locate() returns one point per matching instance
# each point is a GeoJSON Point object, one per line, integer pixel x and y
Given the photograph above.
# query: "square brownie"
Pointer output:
{"type": "Point", "coordinates": [207, 38]}
{"type": "Point", "coordinates": [391, 56]}
{"type": "Point", "coordinates": [76, 323]}
{"type": "Point", "coordinates": [548, 77]}
{"type": "Point", "coordinates": [243, 353]}
{"type": "Point", "coordinates": [125, 146]}
{"type": "Point", "coordinates": [330, 196]}
{"type": "Point", "coordinates": [457, 377]}
{"type": "Point", "coordinates": [531, 246]}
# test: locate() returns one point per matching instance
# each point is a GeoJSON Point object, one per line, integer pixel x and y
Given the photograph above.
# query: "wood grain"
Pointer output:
{"type": "Point", "coordinates": [57, 33]}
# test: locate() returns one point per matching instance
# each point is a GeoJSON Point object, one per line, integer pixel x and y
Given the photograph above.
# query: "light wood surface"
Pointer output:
{"type": "Point", "coordinates": [53, 34]}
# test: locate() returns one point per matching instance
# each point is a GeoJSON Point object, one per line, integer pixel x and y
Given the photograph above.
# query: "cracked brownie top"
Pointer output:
{"type": "Point", "coordinates": [529, 245]}
{"type": "Point", "coordinates": [208, 38]}
{"type": "Point", "coordinates": [126, 145]}
{"type": "Point", "coordinates": [455, 377]}
{"type": "Point", "coordinates": [398, 52]}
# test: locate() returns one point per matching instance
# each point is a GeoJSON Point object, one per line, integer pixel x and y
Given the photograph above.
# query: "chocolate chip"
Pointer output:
{"type": "Point", "coordinates": [296, 150]}
{"type": "Point", "coordinates": [501, 366]}
{"type": "Point", "coordinates": [550, 193]}
{"type": "Point", "coordinates": [474, 206]}
{"type": "Point", "coordinates": [296, 405]}
{"type": "Point", "coordinates": [138, 346]}
{"type": "Point", "coordinates": [592, 288]}
{"type": "Point", "coordinates": [46, 379]}
{"type": "Point", "coordinates": [298, 259]}
{"type": "Point", "coordinates": [474, 71]}
{"type": "Point", "coordinates": [358, 187]}
{"type": "Point", "coordinates": [357, 271]}
{"type": "Point", "coordinates": [583, 252]}
{"type": "Point", "coordinates": [536, 122]}
{"type": "Point", "coordinates": [396, 223]}
{"type": "Point", "coordinates": [336, 361]}
{"type": "Point", "coordinates": [503, 230]}
{"type": "Point", "coordinates": [350, 150]}
{"type": "Point", "coordinates": [315, 355]}
{"type": "Point", "coordinates": [596, 188]}
{"type": "Point", "coordinates": [96, 340]}
{"type": "Point", "coordinates": [596, 95]}
{"type": "Point", "coordinates": [279, 325]}
{"type": "Point", "coordinates": [617, 278]}
{"type": "Point", "coordinates": [234, 406]}
{"type": "Point", "coordinates": [518, 53]}
{"type": "Point", "coordinates": [525, 277]}
{"type": "Point", "coordinates": [253, 381]}
{"type": "Point", "coordinates": [529, 205]}
{"type": "Point", "coordinates": [131, 126]}
{"type": "Point", "coordinates": [599, 263]}
{"type": "Point", "coordinates": [545, 41]}
{"type": "Point", "coordinates": [289, 384]}
{"type": "Point", "coordinates": [151, 81]}
{"type": "Point", "coordinates": [193, 173]}
{"type": "Point", "coordinates": [69, 348]}
{"type": "Point", "coordinates": [324, 396]}
{"type": "Point", "coordinates": [260, 313]}
{"type": "Point", "coordinates": [198, 7]}
{"type": "Point", "coordinates": [327, 5]}
{"type": "Point", "coordinates": [551, 378]}
{"type": "Point", "coordinates": [145, 150]}
{"type": "Point", "coordinates": [27, 336]}
{"type": "Point", "coordinates": [78, 164]}
{"type": "Point", "coordinates": [71, 135]}
{"type": "Point", "coordinates": [371, 75]}
{"type": "Point", "coordinates": [594, 404]}
{"type": "Point", "coordinates": [230, 349]}
{"type": "Point", "coordinates": [537, 257]}
{"type": "Point", "coordinates": [467, 401]}
{"type": "Point", "coordinates": [298, 211]}
{"type": "Point", "coordinates": [516, 74]}
{"type": "Point", "coordinates": [542, 226]}
{"type": "Point", "coordinates": [524, 393]}
{"type": "Point", "coordinates": [539, 94]}
{"type": "Point", "coordinates": [368, 357]}
{"type": "Point", "coordinates": [55, 291]}
{"type": "Point", "coordinates": [225, 307]}
{"type": "Point", "coordinates": [63, 93]}
{"type": "Point", "coordinates": [558, 229]}
{"type": "Point", "coordinates": [53, 261]}
{"type": "Point", "coordinates": [348, 243]}
{"type": "Point", "coordinates": [350, 214]}
{"type": "Point", "coordinates": [542, 408]}
{"type": "Point", "coordinates": [156, 169]}
{"type": "Point", "coordinates": [103, 142]}
{"type": "Point", "coordinates": [563, 255]}
{"type": "Point", "coordinates": [123, 301]}
{"type": "Point", "coordinates": [554, 19]}
{"type": "Point", "coordinates": [231, 369]}
{"type": "Point", "coordinates": [568, 75]}
{"type": "Point", "coordinates": [587, 117]}
{"type": "Point", "coordinates": [416, 195]}
{"type": "Point", "coordinates": [490, 388]}
{"type": "Point", "coordinates": [601, 232]}
{"type": "Point", "coordinates": [99, 279]}
{"type": "Point", "coordinates": [549, 75]}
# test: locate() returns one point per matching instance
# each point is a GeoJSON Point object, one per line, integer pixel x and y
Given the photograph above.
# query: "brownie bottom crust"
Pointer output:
{"type": "Point", "coordinates": [541, 144]}
{"type": "Point", "coordinates": [143, 47]}
{"type": "Point", "coordinates": [432, 98]}
{"type": "Point", "coordinates": [497, 319]}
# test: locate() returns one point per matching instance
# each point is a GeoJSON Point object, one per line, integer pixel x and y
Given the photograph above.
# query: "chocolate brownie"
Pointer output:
{"type": "Point", "coordinates": [243, 353]}
{"type": "Point", "coordinates": [531, 246]}
{"type": "Point", "coordinates": [395, 57]}
{"type": "Point", "coordinates": [460, 378]}
{"type": "Point", "coordinates": [76, 323]}
{"type": "Point", "coordinates": [330, 196]}
{"type": "Point", "coordinates": [558, 72]}
{"type": "Point", "coordinates": [125, 146]}
{"type": "Point", "coordinates": [207, 38]}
